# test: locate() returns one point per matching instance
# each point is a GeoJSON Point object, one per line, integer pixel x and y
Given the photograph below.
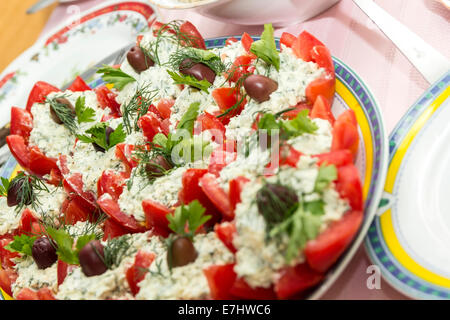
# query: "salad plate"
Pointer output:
{"type": "Point", "coordinates": [409, 237]}
{"type": "Point", "coordinates": [371, 159]}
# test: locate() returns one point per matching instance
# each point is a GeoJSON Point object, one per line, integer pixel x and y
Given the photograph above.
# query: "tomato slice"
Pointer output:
{"type": "Point", "coordinates": [349, 186]}
{"type": "Point", "coordinates": [324, 86]}
{"type": "Point", "coordinates": [45, 294]}
{"type": "Point", "coordinates": [111, 229]}
{"type": "Point", "coordinates": [150, 125]}
{"type": "Point", "coordinates": [345, 133]}
{"type": "Point", "coordinates": [219, 159]}
{"type": "Point", "coordinates": [246, 41]}
{"type": "Point", "coordinates": [7, 278]}
{"type": "Point", "coordinates": [61, 270]}
{"type": "Point", "coordinates": [136, 273]}
{"type": "Point", "coordinates": [110, 182]}
{"type": "Point", "coordinates": [322, 110]}
{"type": "Point", "coordinates": [19, 150]}
{"type": "Point", "coordinates": [217, 195]}
{"type": "Point", "coordinates": [304, 44]}
{"type": "Point", "coordinates": [164, 107]}
{"type": "Point", "coordinates": [6, 255]}
{"type": "Point", "coordinates": [220, 280]}
{"type": "Point", "coordinates": [39, 93]}
{"type": "Point", "coordinates": [79, 85]}
{"type": "Point", "coordinates": [287, 39]}
{"type": "Point", "coordinates": [322, 56]}
{"type": "Point", "coordinates": [230, 41]}
{"type": "Point", "coordinates": [236, 186]}
{"type": "Point", "coordinates": [74, 213]}
{"type": "Point", "coordinates": [241, 66]}
{"type": "Point", "coordinates": [296, 110]}
{"type": "Point", "coordinates": [74, 187]}
{"type": "Point", "coordinates": [208, 122]}
{"type": "Point", "coordinates": [41, 164]}
{"type": "Point", "coordinates": [338, 158]}
{"type": "Point", "coordinates": [27, 294]}
{"type": "Point", "coordinates": [242, 290]}
{"type": "Point", "coordinates": [107, 99]}
{"type": "Point", "coordinates": [294, 280]}
{"type": "Point", "coordinates": [124, 152]}
{"type": "Point", "coordinates": [21, 122]}
{"type": "Point", "coordinates": [322, 252]}
{"type": "Point", "coordinates": [156, 216]}
{"type": "Point", "coordinates": [226, 231]}
{"type": "Point", "coordinates": [26, 222]}
{"type": "Point", "coordinates": [112, 209]}
{"type": "Point", "coordinates": [227, 98]}
{"type": "Point", "coordinates": [190, 31]}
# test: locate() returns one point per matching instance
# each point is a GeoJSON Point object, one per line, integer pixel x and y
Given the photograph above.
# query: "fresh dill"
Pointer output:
{"type": "Point", "coordinates": [65, 113]}
{"type": "Point", "coordinates": [116, 249]}
{"type": "Point", "coordinates": [138, 106]}
{"type": "Point", "coordinates": [194, 56]}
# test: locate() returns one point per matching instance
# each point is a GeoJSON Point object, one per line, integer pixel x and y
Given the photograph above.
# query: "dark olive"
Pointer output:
{"type": "Point", "coordinates": [157, 166]}
{"type": "Point", "coordinates": [181, 252]}
{"type": "Point", "coordinates": [44, 253]}
{"type": "Point", "coordinates": [274, 201]}
{"type": "Point", "coordinates": [65, 102]}
{"type": "Point", "coordinates": [13, 193]}
{"type": "Point", "coordinates": [92, 258]}
{"type": "Point", "coordinates": [138, 59]}
{"type": "Point", "coordinates": [108, 132]}
{"type": "Point", "coordinates": [259, 87]}
{"type": "Point", "coordinates": [199, 71]}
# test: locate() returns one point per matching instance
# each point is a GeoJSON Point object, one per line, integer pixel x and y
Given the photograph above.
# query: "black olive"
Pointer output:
{"type": "Point", "coordinates": [181, 252]}
{"type": "Point", "coordinates": [62, 101]}
{"type": "Point", "coordinates": [274, 201]}
{"type": "Point", "coordinates": [259, 87]}
{"type": "Point", "coordinates": [44, 253]}
{"type": "Point", "coordinates": [13, 193]}
{"type": "Point", "coordinates": [199, 71]}
{"type": "Point", "coordinates": [138, 59]}
{"type": "Point", "coordinates": [108, 132]}
{"type": "Point", "coordinates": [92, 258]}
{"type": "Point", "coordinates": [157, 166]}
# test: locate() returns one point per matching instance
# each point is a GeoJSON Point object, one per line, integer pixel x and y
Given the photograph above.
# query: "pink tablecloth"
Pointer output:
{"type": "Point", "coordinates": [353, 38]}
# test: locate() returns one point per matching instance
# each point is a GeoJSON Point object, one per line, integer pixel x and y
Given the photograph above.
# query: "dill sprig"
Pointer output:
{"type": "Point", "coordinates": [64, 113]}
{"type": "Point", "coordinates": [26, 189]}
{"type": "Point", "coordinates": [116, 250]}
{"type": "Point", "coordinates": [194, 55]}
{"type": "Point", "coordinates": [138, 106]}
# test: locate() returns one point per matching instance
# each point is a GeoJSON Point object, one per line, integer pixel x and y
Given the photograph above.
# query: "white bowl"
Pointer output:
{"type": "Point", "coordinates": [252, 12]}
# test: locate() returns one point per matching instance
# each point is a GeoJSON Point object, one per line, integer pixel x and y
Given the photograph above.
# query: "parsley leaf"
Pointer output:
{"type": "Point", "coordinates": [327, 174]}
{"type": "Point", "coordinates": [117, 136]}
{"type": "Point", "coordinates": [115, 76]}
{"type": "Point", "coordinates": [98, 135]}
{"type": "Point", "coordinates": [84, 114]}
{"type": "Point", "coordinates": [64, 243]}
{"type": "Point", "coordinates": [22, 244]}
{"type": "Point", "coordinates": [299, 125]}
{"type": "Point", "coordinates": [266, 48]}
{"type": "Point", "coordinates": [192, 215]}
{"type": "Point", "coordinates": [189, 117]}
{"type": "Point", "coordinates": [4, 187]}
{"type": "Point", "coordinates": [190, 81]}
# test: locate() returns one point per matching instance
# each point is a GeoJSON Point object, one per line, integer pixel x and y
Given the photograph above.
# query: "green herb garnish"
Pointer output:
{"type": "Point", "coordinates": [115, 76]}
{"type": "Point", "coordinates": [191, 215]}
{"type": "Point", "coordinates": [195, 55]}
{"type": "Point", "coordinates": [266, 49]}
{"type": "Point", "coordinates": [84, 114]}
{"type": "Point", "coordinates": [190, 81]}
{"type": "Point", "coordinates": [138, 106]}
{"type": "Point", "coordinates": [64, 113]}
{"type": "Point", "coordinates": [98, 135]}
{"type": "Point", "coordinates": [116, 249]}
{"type": "Point", "coordinates": [21, 244]}
{"type": "Point", "coordinates": [25, 189]}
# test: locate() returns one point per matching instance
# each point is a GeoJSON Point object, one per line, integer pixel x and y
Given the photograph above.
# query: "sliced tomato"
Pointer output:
{"type": "Point", "coordinates": [287, 39]}
{"type": "Point", "coordinates": [246, 41]}
{"type": "Point", "coordinates": [19, 150]}
{"type": "Point", "coordinates": [241, 66]}
{"type": "Point", "coordinates": [296, 110]}
{"type": "Point", "coordinates": [304, 44]}
{"type": "Point", "coordinates": [62, 268]}
{"type": "Point", "coordinates": [156, 216]}
{"type": "Point", "coordinates": [27, 294]}
{"type": "Point", "coordinates": [79, 85]}
{"type": "Point", "coordinates": [164, 107]}
{"type": "Point", "coordinates": [322, 252]}
{"type": "Point", "coordinates": [338, 158]}
{"type": "Point", "coordinates": [230, 41]}
{"type": "Point", "coordinates": [191, 191]}
{"type": "Point", "coordinates": [345, 133]}
{"type": "Point", "coordinates": [219, 159]}
{"type": "Point", "coordinates": [7, 278]}
{"type": "Point", "coordinates": [322, 110]}
{"type": "Point", "coordinates": [220, 280]}
{"type": "Point", "coordinates": [5, 254]}
{"type": "Point", "coordinates": [139, 39]}
{"type": "Point", "coordinates": [112, 209]}
{"type": "Point", "coordinates": [39, 93]}
{"type": "Point", "coordinates": [322, 56]}
{"type": "Point", "coordinates": [110, 182]}
{"type": "Point", "coordinates": [137, 271]}
{"type": "Point", "coordinates": [236, 186]}
{"type": "Point", "coordinates": [45, 294]}
{"type": "Point", "coordinates": [289, 156]}
{"type": "Point", "coordinates": [208, 122]}
{"type": "Point", "coordinates": [324, 86]}
{"type": "Point", "coordinates": [150, 125]}
{"type": "Point", "coordinates": [62, 165]}
{"type": "Point", "coordinates": [124, 152]}
{"type": "Point", "coordinates": [107, 99]}
{"type": "Point", "coordinates": [226, 231]}
{"type": "Point", "coordinates": [74, 213]}
{"type": "Point", "coordinates": [39, 163]}
{"type": "Point", "coordinates": [294, 280]}
{"type": "Point", "coordinates": [217, 195]}
{"type": "Point", "coordinates": [227, 98]}
{"type": "Point", "coordinates": [189, 30]}
{"type": "Point", "coordinates": [111, 229]}
{"type": "Point", "coordinates": [21, 122]}
{"type": "Point", "coordinates": [26, 222]}
{"type": "Point", "coordinates": [349, 186]}
{"type": "Point", "coordinates": [55, 177]}
{"type": "Point", "coordinates": [75, 189]}
{"type": "Point", "coordinates": [242, 290]}
{"type": "Point", "coordinates": [159, 27]}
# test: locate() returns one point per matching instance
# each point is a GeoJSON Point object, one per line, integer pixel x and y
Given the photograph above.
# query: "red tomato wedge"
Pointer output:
{"type": "Point", "coordinates": [322, 110]}
{"type": "Point", "coordinates": [220, 280]}
{"type": "Point", "coordinates": [156, 216]}
{"type": "Point", "coordinates": [41, 164]}
{"type": "Point", "coordinates": [164, 107]}
{"type": "Point", "coordinates": [124, 152]}
{"type": "Point", "coordinates": [294, 280]}
{"type": "Point", "coordinates": [107, 99]}
{"type": "Point", "coordinates": [287, 39]}
{"type": "Point", "coordinates": [242, 290]}
{"type": "Point", "coordinates": [19, 150]}
{"type": "Point", "coordinates": [345, 133]}
{"type": "Point", "coordinates": [339, 158]}
{"type": "Point", "coordinates": [26, 222]}
{"type": "Point", "coordinates": [230, 41]}
{"type": "Point", "coordinates": [74, 213]}
{"type": "Point", "coordinates": [112, 209]}
{"type": "Point", "coordinates": [304, 44]}
{"type": "Point", "coordinates": [236, 186]}
{"type": "Point", "coordinates": [111, 229]}
{"type": "Point", "coordinates": [45, 294]}
{"type": "Point", "coordinates": [188, 30]}
{"type": "Point", "coordinates": [61, 270]}
{"type": "Point", "coordinates": [74, 187]}
{"type": "Point", "coordinates": [296, 110]}
{"type": "Point", "coordinates": [150, 125]}
{"type": "Point", "coordinates": [6, 255]}
{"type": "Point", "coordinates": [227, 98]}
{"type": "Point", "coordinates": [241, 66]}
{"type": "Point", "coordinates": [7, 278]}
{"type": "Point", "coordinates": [39, 93]}
{"type": "Point", "coordinates": [324, 86]}
{"type": "Point", "coordinates": [219, 159]}
{"type": "Point", "coordinates": [21, 122]}
{"type": "Point", "coordinates": [79, 85]}
{"type": "Point", "coordinates": [110, 182]}
{"type": "Point", "coordinates": [208, 122]}
{"type": "Point", "coordinates": [349, 186]}
{"type": "Point", "coordinates": [27, 294]}
{"type": "Point", "coordinates": [322, 252]}
{"type": "Point", "coordinates": [246, 41]}
{"type": "Point", "coordinates": [136, 273]}
{"type": "Point", "coordinates": [322, 56]}
{"type": "Point", "coordinates": [217, 195]}
{"type": "Point", "coordinates": [226, 231]}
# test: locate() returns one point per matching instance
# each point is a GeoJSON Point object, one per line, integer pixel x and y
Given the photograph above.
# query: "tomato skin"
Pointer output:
{"type": "Point", "coordinates": [124, 152]}
{"type": "Point", "coordinates": [322, 56]}
{"type": "Point", "coordinates": [150, 125]}
{"type": "Point", "coordinates": [296, 110]}
{"type": "Point", "coordinates": [217, 195]}
{"type": "Point", "coordinates": [220, 280]}
{"type": "Point", "coordinates": [45, 294]}
{"type": "Point", "coordinates": [112, 209]}
{"type": "Point", "coordinates": [190, 30]}
{"type": "Point", "coordinates": [322, 252]}
{"type": "Point", "coordinates": [75, 213]}
{"type": "Point", "coordinates": [230, 41]}
{"type": "Point", "coordinates": [19, 150]}
{"type": "Point", "coordinates": [287, 39]}
{"type": "Point", "coordinates": [156, 217]}
{"type": "Point", "coordinates": [41, 164]}
{"type": "Point", "coordinates": [236, 186]}
{"type": "Point", "coordinates": [26, 222]}
{"type": "Point", "coordinates": [7, 278]}
{"type": "Point", "coordinates": [61, 269]}
{"type": "Point", "coordinates": [21, 122]}
{"type": "Point", "coordinates": [73, 185]}
{"type": "Point", "coordinates": [79, 85]}
{"type": "Point", "coordinates": [219, 159]}
{"type": "Point", "coordinates": [112, 229]}
{"type": "Point", "coordinates": [6, 255]}
{"type": "Point", "coordinates": [107, 98]}
{"type": "Point", "coordinates": [39, 93]}
{"type": "Point", "coordinates": [322, 110]}
{"type": "Point", "coordinates": [349, 186]}
{"type": "Point", "coordinates": [164, 107]}
{"type": "Point", "coordinates": [325, 86]}
{"type": "Point", "coordinates": [226, 231]}
{"type": "Point", "coordinates": [136, 273]}
{"type": "Point", "coordinates": [208, 122]}
{"type": "Point", "coordinates": [246, 41]}
{"type": "Point", "coordinates": [227, 98]}
{"type": "Point", "coordinates": [240, 67]}
{"type": "Point", "coordinates": [294, 280]}
{"type": "Point", "coordinates": [27, 294]}
{"type": "Point", "coordinates": [242, 290]}
{"type": "Point", "coordinates": [304, 44]}
{"type": "Point", "coordinates": [339, 158]}
{"type": "Point", "coordinates": [345, 133]}
{"type": "Point", "coordinates": [110, 182]}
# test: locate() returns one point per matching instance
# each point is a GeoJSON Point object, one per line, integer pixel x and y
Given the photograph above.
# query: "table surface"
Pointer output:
{"type": "Point", "coordinates": [353, 38]}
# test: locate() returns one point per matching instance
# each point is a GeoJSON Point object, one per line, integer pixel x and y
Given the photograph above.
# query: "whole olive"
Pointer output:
{"type": "Point", "coordinates": [138, 59]}
{"type": "Point", "coordinates": [44, 253]}
{"type": "Point", "coordinates": [92, 258]}
{"type": "Point", "coordinates": [157, 166]}
{"type": "Point", "coordinates": [64, 102]}
{"type": "Point", "coordinates": [259, 87]}
{"type": "Point", "coordinates": [274, 201]}
{"type": "Point", "coordinates": [181, 252]}
{"type": "Point", "coordinates": [13, 193]}
{"type": "Point", "coordinates": [199, 71]}
{"type": "Point", "coordinates": [108, 132]}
